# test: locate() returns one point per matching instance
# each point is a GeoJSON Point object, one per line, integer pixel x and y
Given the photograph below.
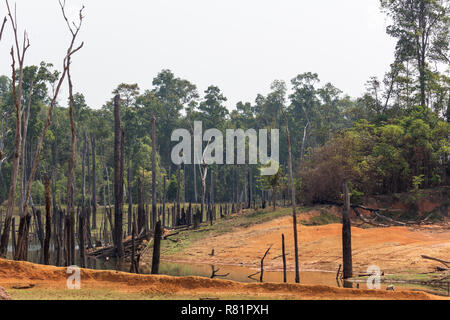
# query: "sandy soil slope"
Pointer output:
{"type": "Point", "coordinates": [47, 278]}
{"type": "Point", "coordinates": [394, 250]}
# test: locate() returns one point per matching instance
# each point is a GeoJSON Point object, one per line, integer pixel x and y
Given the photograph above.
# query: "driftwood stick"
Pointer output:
{"type": "Point", "coordinates": [214, 273]}
{"type": "Point", "coordinates": [254, 274]}
{"type": "Point", "coordinates": [339, 272]}
{"type": "Point", "coordinates": [367, 221]}
{"type": "Point", "coordinates": [170, 235]}
{"type": "Point", "coordinates": [262, 264]}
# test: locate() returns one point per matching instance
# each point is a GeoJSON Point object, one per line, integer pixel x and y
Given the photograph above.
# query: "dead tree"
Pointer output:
{"type": "Point", "coordinates": [82, 223]}
{"type": "Point", "coordinates": [153, 170]}
{"type": "Point", "coordinates": [294, 204]}
{"type": "Point", "coordinates": [203, 167]}
{"type": "Point", "coordinates": [48, 222]}
{"type": "Point", "coordinates": [214, 273]}
{"type": "Point", "coordinates": [164, 202]}
{"type": "Point", "coordinates": [262, 264]}
{"type": "Point", "coordinates": [17, 83]}
{"type": "Point", "coordinates": [250, 194]}
{"type": "Point", "coordinates": [26, 119]}
{"type": "Point", "coordinates": [94, 186]}
{"type": "Point", "coordinates": [130, 199]}
{"type": "Point", "coordinates": [118, 186]}
{"type": "Point", "coordinates": [157, 248]}
{"type": "Point", "coordinates": [347, 236]}
{"type": "Point", "coordinates": [21, 253]}
{"type": "Point", "coordinates": [141, 210]}
{"type": "Point", "coordinates": [134, 263]}
{"type": "Point", "coordinates": [284, 259]}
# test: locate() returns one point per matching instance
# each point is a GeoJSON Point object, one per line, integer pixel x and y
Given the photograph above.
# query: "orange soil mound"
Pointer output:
{"type": "Point", "coordinates": [395, 249]}
{"type": "Point", "coordinates": [51, 278]}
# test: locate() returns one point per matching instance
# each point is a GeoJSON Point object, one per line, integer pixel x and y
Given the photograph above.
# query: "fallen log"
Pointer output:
{"type": "Point", "coordinates": [367, 221]}
{"type": "Point", "coordinates": [24, 287]}
{"type": "Point", "coordinates": [110, 252]}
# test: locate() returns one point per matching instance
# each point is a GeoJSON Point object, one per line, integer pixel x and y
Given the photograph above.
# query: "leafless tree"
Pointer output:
{"type": "Point", "coordinates": [118, 182]}
{"type": "Point", "coordinates": [203, 167]}
{"type": "Point", "coordinates": [294, 204]}
{"type": "Point", "coordinates": [74, 30]}
{"type": "Point", "coordinates": [17, 51]}
{"type": "Point", "coordinates": [154, 218]}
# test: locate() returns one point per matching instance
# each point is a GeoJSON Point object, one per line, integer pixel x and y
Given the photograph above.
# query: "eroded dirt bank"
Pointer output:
{"type": "Point", "coordinates": [48, 279]}
{"type": "Point", "coordinates": [394, 250]}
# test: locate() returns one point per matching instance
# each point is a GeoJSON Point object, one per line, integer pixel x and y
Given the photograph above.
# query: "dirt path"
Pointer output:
{"type": "Point", "coordinates": [50, 283]}
{"type": "Point", "coordinates": [394, 250]}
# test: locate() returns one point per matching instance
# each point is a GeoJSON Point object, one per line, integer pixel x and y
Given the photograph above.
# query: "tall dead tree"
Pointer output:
{"type": "Point", "coordinates": [178, 207]}
{"type": "Point", "coordinates": [347, 236]}
{"type": "Point", "coordinates": [94, 186]}
{"type": "Point", "coordinates": [283, 248]}
{"type": "Point", "coordinates": [130, 199]}
{"type": "Point", "coordinates": [17, 83]}
{"type": "Point", "coordinates": [154, 214]}
{"type": "Point", "coordinates": [294, 203]}
{"type": "Point", "coordinates": [22, 241]}
{"type": "Point", "coordinates": [141, 209]}
{"type": "Point", "coordinates": [82, 225]}
{"type": "Point", "coordinates": [250, 192]}
{"type": "Point", "coordinates": [48, 222]}
{"type": "Point", "coordinates": [164, 202]}
{"type": "Point", "coordinates": [70, 218]}
{"type": "Point", "coordinates": [156, 248]}
{"type": "Point", "coordinates": [118, 183]}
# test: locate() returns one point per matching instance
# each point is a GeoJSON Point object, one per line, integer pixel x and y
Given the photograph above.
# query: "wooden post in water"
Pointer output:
{"type": "Point", "coordinates": [48, 222]}
{"type": "Point", "coordinates": [164, 202]}
{"type": "Point", "coordinates": [347, 236]}
{"type": "Point", "coordinates": [284, 259]}
{"type": "Point", "coordinates": [156, 248]}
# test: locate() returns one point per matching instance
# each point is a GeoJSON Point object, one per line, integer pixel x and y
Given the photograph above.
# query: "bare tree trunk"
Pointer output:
{"type": "Point", "coordinates": [195, 184]}
{"type": "Point", "coordinates": [284, 259]}
{"type": "Point", "coordinates": [250, 194]}
{"type": "Point", "coordinates": [130, 199]}
{"type": "Point", "coordinates": [17, 94]}
{"type": "Point", "coordinates": [118, 187]}
{"type": "Point", "coordinates": [83, 215]}
{"type": "Point", "coordinates": [178, 207]}
{"type": "Point", "coordinates": [156, 248]}
{"type": "Point", "coordinates": [141, 213]}
{"type": "Point", "coordinates": [164, 202]}
{"type": "Point", "coordinates": [94, 186]}
{"type": "Point", "coordinates": [48, 222]}
{"type": "Point", "coordinates": [153, 170]}
{"type": "Point", "coordinates": [294, 203]}
{"type": "Point", "coordinates": [347, 236]}
{"type": "Point", "coordinates": [74, 29]}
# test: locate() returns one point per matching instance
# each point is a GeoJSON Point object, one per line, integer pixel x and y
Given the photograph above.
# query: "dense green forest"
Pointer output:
{"type": "Point", "coordinates": [393, 139]}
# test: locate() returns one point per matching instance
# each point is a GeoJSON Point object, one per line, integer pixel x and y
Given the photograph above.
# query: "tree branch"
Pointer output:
{"type": "Point", "coordinates": [66, 66]}
{"type": "Point", "coordinates": [3, 28]}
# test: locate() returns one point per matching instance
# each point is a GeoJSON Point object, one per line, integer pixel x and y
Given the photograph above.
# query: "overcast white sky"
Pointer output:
{"type": "Point", "coordinates": [239, 45]}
